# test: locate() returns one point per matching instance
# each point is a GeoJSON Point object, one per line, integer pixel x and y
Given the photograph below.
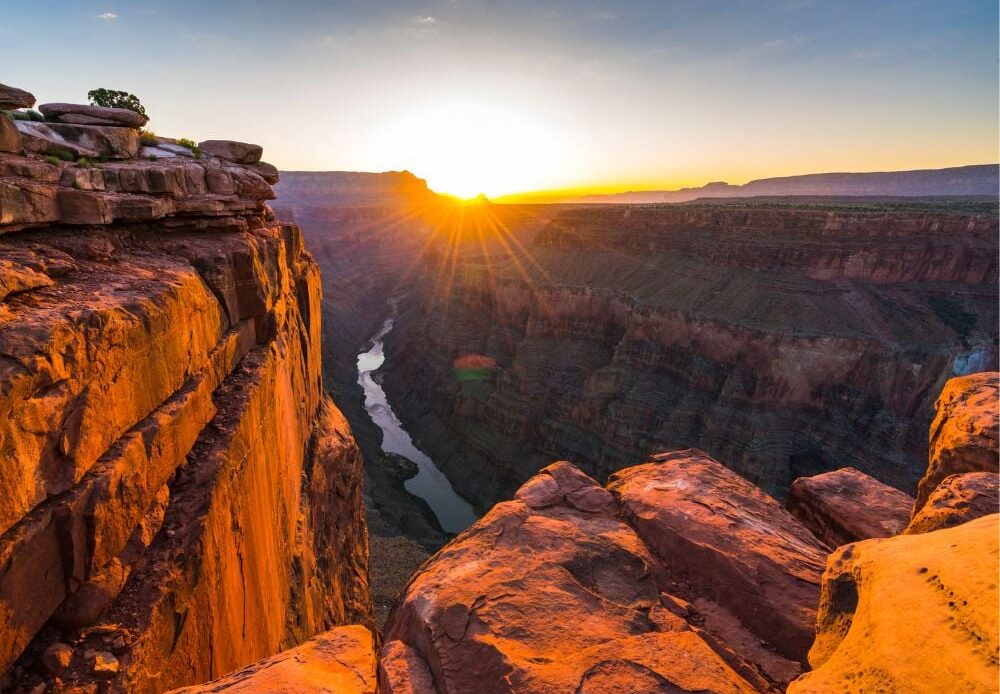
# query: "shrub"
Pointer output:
{"type": "Point", "coordinates": [26, 114]}
{"type": "Point", "coordinates": [83, 163]}
{"type": "Point", "coordinates": [64, 154]}
{"type": "Point", "coordinates": [147, 137]}
{"type": "Point", "coordinates": [191, 145]}
{"type": "Point", "coordinates": [113, 98]}
{"type": "Point", "coordinates": [152, 157]}
{"type": "Point", "coordinates": [55, 161]}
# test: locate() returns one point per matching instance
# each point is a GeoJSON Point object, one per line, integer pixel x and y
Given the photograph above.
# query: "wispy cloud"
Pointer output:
{"type": "Point", "coordinates": [108, 16]}
{"type": "Point", "coordinates": [426, 20]}
{"type": "Point", "coordinates": [869, 55]}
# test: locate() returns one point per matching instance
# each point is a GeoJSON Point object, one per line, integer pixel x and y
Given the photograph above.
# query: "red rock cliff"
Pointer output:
{"type": "Point", "coordinates": [180, 497]}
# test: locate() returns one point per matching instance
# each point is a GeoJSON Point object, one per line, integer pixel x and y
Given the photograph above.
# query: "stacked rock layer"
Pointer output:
{"type": "Point", "coordinates": [181, 498]}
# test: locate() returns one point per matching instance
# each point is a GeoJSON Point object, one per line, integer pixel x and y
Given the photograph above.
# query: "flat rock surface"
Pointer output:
{"type": "Point", "coordinates": [909, 614]}
{"type": "Point", "coordinates": [847, 505]}
{"type": "Point", "coordinates": [339, 661]}
{"type": "Point", "coordinates": [86, 114]}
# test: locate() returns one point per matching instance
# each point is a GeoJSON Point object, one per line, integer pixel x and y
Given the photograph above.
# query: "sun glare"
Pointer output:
{"type": "Point", "coordinates": [467, 148]}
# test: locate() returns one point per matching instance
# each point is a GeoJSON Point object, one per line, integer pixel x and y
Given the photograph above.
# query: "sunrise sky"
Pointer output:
{"type": "Point", "coordinates": [509, 96]}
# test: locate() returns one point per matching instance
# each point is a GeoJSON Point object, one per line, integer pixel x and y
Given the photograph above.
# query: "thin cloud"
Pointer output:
{"type": "Point", "coordinates": [108, 16]}
{"type": "Point", "coordinates": [426, 20]}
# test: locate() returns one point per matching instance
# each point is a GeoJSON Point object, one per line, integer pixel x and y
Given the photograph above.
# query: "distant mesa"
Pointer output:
{"type": "Point", "coordinates": [979, 179]}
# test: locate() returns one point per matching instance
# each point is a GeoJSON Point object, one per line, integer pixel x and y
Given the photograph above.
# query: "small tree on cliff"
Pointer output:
{"type": "Point", "coordinates": [112, 98]}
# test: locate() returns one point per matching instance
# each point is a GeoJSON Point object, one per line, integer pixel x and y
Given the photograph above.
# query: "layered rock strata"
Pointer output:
{"type": "Point", "coordinates": [181, 498]}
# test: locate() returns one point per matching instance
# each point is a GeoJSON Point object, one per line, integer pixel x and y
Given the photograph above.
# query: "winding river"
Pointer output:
{"type": "Point", "coordinates": [453, 512]}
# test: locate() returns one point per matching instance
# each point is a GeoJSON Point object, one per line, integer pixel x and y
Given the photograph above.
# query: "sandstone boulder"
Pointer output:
{"type": "Point", "coordinates": [912, 613]}
{"type": "Point", "coordinates": [230, 150]}
{"type": "Point", "coordinates": [847, 505]}
{"type": "Point", "coordinates": [85, 114]}
{"type": "Point", "coordinates": [10, 137]}
{"type": "Point", "coordinates": [12, 97]}
{"type": "Point", "coordinates": [339, 661]}
{"type": "Point", "coordinates": [108, 141]}
{"type": "Point", "coordinates": [964, 432]}
{"type": "Point", "coordinates": [958, 499]}
{"type": "Point", "coordinates": [550, 592]}
{"type": "Point", "coordinates": [723, 540]}
{"type": "Point", "coordinates": [40, 138]}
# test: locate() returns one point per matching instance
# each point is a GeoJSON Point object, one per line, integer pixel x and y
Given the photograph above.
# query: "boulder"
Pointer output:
{"type": "Point", "coordinates": [847, 505]}
{"type": "Point", "coordinates": [550, 592]}
{"type": "Point", "coordinates": [958, 499]}
{"type": "Point", "coordinates": [964, 432]}
{"type": "Point", "coordinates": [10, 137]}
{"type": "Point", "coordinates": [341, 661]}
{"type": "Point", "coordinates": [85, 114]}
{"type": "Point", "coordinates": [12, 97]}
{"type": "Point", "coordinates": [108, 141]}
{"type": "Point", "coordinates": [40, 138]}
{"type": "Point", "coordinates": [230, 150]}
{"type": "Point", "coordinates": [727, 542]}
{"type": "Point", "coordinates": [912, 613]}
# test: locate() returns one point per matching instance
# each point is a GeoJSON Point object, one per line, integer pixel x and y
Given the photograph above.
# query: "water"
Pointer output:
{"type": "Point", "coordinates": [453, 512]}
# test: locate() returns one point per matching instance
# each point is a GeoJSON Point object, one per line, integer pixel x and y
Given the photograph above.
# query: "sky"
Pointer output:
{"type": "Point", "coordinates": [505, 96]}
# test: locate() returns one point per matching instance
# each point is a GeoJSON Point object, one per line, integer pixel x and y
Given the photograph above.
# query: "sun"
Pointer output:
{"type": "Point", "coordinates": [467, 148]}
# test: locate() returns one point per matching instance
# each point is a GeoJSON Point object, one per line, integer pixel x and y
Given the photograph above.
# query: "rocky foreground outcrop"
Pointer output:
{"type": "Point", "coordinates": [180, 497]}
{"type": "Point", "coordinates": [679, 574]}
{"type": "Point", "coordinates": [847, 505]}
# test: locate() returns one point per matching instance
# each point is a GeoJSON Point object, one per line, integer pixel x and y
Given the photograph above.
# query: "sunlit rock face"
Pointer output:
{"type": "Point", "coordinates": [679, 575]}
{"type": "Point", "coordinates": [341, 660]}
{"type": "Point", "coordinates": [180, 497]}
{"type": "Point", "coordinates": [913, 613]}
{"type": "Point", "coordinates": [784, 339]}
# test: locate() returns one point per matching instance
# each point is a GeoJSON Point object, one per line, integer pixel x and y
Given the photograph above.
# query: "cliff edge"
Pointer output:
{"type": "Point", "coordinates": [180, 497]}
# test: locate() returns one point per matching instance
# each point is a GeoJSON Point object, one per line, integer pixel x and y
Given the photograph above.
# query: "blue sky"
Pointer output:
{"type": "Point", "coordinates": [524, 95]}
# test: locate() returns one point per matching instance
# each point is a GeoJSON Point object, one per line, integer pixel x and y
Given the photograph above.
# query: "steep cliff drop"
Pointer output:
{"type": "Point", "coordinates": [180, 497]}
{"type": "Point", "coordinates": [785, 338]}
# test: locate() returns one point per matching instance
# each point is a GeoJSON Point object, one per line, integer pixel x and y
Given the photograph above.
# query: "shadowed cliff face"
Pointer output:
{"type": "Point", "coordinates": [786, 340]}
{"type": "Point", "coordinates": [180, 496]}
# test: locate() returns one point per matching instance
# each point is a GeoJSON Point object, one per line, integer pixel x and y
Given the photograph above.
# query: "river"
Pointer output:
{"type": "Point", "coordinates": [453, 512]}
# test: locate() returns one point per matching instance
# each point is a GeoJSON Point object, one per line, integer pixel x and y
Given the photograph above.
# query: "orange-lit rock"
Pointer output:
{"type": "Point", "coordinates": [723, 540]}
{"type": "Point", "coordinates": [339, 661]}
{"type": "Point", "coordinates": [568, 588]}
{"type": "Point", "coordinates": [964, 434]}
{"type": "Point", "coordinates": [180, 496]}
{"type": "Point", "coordinates": [956, 500]}
{"type": "Point", "coordinates": [847, 505]}
{"type": "Point", "coordinates": [913, 613]}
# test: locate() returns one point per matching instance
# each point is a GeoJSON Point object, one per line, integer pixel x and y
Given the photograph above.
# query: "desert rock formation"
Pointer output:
{"type": "Point", "coordinates": [785, 340]}
{"type": "Point", "coordinates": [847, 505]}
{"type": "Point", "coordinates": [181, 498]}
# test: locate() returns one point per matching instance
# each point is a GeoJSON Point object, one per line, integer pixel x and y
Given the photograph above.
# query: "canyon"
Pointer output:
{"type": "Point", "coordinates": [785, 339]}
{"type": "Point", "coordinates": [685, 447]}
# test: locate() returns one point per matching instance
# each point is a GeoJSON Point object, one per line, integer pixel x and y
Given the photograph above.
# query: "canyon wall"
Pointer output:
{"type": "Point", "coordinates": [182, 498]}
{"type": "Point", "coordinates": [783, 339]}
